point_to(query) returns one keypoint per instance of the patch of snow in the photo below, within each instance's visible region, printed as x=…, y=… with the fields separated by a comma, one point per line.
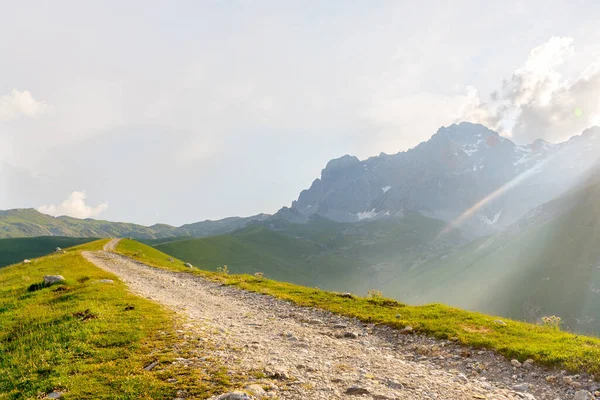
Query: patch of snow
x=470, y=149
x=525, y=152
x=386, y=188
x=491, y=221
x=367, y=214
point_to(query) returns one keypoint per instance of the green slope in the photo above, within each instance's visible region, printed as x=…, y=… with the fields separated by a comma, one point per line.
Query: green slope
x=547, y=264
x=336, y=256
x=16, y=250
x=549, y=267
x=89, y=339
x=31, y=223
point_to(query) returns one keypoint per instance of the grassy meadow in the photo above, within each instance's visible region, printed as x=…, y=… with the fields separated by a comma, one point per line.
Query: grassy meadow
x=89, y=340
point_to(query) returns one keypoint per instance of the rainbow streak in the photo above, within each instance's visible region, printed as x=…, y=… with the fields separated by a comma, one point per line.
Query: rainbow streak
x=491, y=197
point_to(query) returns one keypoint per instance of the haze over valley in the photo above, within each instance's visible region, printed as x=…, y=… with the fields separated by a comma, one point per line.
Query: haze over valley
x=467, y=218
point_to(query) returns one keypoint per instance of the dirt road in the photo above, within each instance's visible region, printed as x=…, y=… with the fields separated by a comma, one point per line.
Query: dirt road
x=313, y=354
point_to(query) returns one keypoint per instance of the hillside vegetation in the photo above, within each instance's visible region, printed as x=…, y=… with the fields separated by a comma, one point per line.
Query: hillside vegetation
x=513, y=339
x=31, y=223
x=88, y=339
x=549, y=266
x=548, y=263
x=323, y=253
x=16, y=250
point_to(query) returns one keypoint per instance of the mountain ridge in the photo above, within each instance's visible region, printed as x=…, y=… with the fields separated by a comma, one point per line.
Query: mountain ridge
x=28, y=222
x=440, y=178
x=443, y=177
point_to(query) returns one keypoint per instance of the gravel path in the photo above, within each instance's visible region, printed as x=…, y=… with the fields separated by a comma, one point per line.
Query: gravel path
x=312, y=354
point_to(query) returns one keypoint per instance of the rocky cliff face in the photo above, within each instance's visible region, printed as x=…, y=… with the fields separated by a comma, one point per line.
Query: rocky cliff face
x=456, y=169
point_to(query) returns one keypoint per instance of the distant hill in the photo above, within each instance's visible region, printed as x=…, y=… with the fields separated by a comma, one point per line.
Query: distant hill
x=13, y=251
x=31, y=223
x=546, y=264
x=323, y=253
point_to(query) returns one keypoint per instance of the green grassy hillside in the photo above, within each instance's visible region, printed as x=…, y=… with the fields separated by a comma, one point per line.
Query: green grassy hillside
x=547, y=264
x=16, y=250
x=91, y=340
x=550, y=267
x=513, y=339
x=31, y=223
x=321, y=253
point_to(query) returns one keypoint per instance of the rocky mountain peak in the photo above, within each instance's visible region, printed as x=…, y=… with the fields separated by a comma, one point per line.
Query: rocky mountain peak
x=455, y=169
x=342, y=162
x=466, y=131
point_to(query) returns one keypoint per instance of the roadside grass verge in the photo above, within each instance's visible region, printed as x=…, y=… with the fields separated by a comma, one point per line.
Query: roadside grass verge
x=512, y=339
x=91, y=340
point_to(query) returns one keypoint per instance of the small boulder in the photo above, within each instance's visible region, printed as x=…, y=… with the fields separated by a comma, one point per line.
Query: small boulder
x=394, y=384
x=499, y=322
x=278, y=373
x=407, y=330
x=290, y=336
x=55, y=395
x=515, y=363
x=58, y=250
x=256, y=390
x=346, y=295
x=350, y=335
x=521, y=387
x=26, y=261
x=356, y=391
x=235, y=396
x=528, y=364
x=583, y=395
x=105, y=281
x=52, y=279
x=151, y=366
x=188, y=265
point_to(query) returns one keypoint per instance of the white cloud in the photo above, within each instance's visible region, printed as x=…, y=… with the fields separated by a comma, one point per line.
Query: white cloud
x=537, y=102
x=74, y=206
x=20, y=104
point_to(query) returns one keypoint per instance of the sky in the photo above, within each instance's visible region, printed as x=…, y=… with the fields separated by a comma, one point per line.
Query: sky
x=176, y=112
